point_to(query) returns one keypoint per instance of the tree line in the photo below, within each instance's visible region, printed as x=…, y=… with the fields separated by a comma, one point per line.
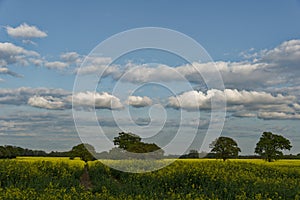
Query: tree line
x=130, y=146
x=9, y=151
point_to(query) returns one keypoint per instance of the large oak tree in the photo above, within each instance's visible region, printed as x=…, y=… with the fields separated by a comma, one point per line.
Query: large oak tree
x=225, y=148
x=270, y=146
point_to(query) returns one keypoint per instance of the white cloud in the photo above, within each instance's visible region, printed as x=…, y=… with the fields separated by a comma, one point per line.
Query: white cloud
x=58, y=98
x=97, y=100
x=36, y=61
x=47, y=102
x=29, y=42
x=191, y=100
x=11, y=54
x=296, y=106
x=285, y=55
x=137, y=101
x=56, y=65
x=71, y=57
x=270, y=68
x=4, y=70
x=20, y=96
x=244, y=114
x=242, y=103
x=278, y=115
x=25, y=31
x=235, y=74
x=98, y=65
x=243, y=97
x=146, y=73
x=194, y=100
x=98, y=69
x=283, y=61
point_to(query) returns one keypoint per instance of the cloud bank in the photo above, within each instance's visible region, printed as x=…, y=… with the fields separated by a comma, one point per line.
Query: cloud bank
x=241, y=103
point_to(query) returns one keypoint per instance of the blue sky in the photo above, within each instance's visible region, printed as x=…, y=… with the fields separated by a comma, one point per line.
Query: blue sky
x=255, y=45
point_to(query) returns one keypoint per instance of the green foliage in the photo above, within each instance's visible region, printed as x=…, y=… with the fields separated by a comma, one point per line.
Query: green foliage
x=270, y=146
x=125, y=140
x=141, y=147
x=9, y=151
x=84, y=151
x=225, y=148
x=192, y=154
x=132, y=143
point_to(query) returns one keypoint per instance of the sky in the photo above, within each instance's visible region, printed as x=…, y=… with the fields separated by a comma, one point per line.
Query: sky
x=46, y=45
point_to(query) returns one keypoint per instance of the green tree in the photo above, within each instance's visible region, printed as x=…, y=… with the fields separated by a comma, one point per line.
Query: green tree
x=125, y=140
x=84, y=151
x=225, y=148
x=132, y=143
x=193, y=154
x=141, y=147
x=270, y=146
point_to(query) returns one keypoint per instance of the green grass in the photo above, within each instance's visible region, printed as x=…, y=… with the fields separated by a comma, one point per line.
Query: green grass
x=59, y=178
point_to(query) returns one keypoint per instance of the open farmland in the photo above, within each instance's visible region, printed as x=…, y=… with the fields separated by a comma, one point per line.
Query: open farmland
x=60, y=178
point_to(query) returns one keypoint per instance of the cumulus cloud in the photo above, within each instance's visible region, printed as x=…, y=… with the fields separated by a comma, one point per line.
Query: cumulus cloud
x=25, y=31
x=269, y=68
x=244, y=114
x=20, y=96
x=147, y=73
x=71, y=57
x=278, y=115
x=56, y=65
x=283, y=62
x=241, y=103
x=191, y=100
x=98, y=100
x=235, y=74
x=245, y=98
x=12, y=54
x=37, y=61
x=98, y=65
x=59, y=99
x=47, y=102
x=286, y=55
x=200, y=100
x=137, y=101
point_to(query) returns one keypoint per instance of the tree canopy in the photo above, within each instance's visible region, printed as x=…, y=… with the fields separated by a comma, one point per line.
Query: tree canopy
x=126, y=140
x=225, y=148
x=9, y=151
x=132, y=143
x=270, y=146
x=84, y=151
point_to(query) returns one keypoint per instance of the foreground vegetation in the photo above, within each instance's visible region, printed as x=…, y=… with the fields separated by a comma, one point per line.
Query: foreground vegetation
x=59, y=178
